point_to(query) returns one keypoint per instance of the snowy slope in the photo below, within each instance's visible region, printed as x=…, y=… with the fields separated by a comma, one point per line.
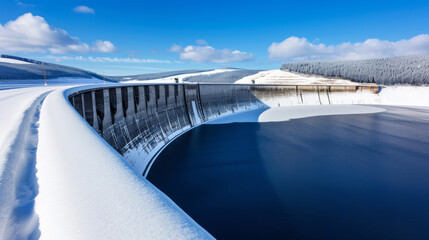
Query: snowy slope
x=284, y=77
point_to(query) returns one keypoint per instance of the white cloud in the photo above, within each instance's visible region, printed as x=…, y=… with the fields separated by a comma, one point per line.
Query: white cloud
x=84, y=9
x=210, y=54
x=30, y=33
x=201, y=42
x=105, y=59
x=103, y=46
x=294, y=48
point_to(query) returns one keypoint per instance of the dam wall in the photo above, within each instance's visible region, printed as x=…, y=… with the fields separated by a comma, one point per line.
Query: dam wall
x=139, y=120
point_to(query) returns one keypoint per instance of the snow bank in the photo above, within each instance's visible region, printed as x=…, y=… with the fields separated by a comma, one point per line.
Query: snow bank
x=88, y=191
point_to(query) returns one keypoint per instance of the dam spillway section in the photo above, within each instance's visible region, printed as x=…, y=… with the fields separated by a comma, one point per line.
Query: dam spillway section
x=139, y=120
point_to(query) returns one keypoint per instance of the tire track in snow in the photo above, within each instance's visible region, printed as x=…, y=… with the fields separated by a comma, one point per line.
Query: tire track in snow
x=18, y=185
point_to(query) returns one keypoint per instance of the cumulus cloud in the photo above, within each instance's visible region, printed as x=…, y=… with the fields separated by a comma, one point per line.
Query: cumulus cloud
x=84, y=9
x=210, y=54
x=103, y=46
x=105, y=59
x=294, y=48
x=30, y=33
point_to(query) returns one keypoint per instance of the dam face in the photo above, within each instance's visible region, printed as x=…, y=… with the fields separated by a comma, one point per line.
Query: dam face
x=139, y=120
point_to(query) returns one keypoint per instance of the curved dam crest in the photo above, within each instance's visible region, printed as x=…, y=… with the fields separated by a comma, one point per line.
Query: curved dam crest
x=138, y=121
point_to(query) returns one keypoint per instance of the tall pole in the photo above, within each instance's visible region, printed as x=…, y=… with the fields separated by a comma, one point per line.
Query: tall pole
x=104, y=77
x=44, y=73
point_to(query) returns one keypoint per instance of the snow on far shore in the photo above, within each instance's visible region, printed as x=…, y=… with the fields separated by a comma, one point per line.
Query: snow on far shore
x=405, y=95
x=10, y=60
x=283, y=77
x=278, y=114
x=171, y=79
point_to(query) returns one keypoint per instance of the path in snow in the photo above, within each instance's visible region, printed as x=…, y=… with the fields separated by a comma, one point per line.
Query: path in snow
x=18, y=182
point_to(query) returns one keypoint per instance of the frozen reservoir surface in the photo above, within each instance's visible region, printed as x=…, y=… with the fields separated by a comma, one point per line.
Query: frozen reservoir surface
x=350, y=176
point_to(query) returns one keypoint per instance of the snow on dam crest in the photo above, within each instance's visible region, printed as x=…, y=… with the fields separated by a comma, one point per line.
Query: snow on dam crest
x=88, y=191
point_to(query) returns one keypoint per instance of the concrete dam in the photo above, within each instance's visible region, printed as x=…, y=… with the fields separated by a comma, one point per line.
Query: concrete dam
x=138, y=120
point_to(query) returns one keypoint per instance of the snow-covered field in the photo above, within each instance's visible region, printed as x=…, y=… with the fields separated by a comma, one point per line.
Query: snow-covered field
x=84, y=189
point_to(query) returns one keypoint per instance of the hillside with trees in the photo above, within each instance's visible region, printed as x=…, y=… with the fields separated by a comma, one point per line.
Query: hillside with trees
x=412, y=70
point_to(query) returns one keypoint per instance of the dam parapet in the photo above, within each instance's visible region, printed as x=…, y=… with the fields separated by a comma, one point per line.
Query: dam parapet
x=139, y=120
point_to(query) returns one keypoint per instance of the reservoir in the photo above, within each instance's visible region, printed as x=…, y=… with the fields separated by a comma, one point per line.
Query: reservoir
x=362, y=176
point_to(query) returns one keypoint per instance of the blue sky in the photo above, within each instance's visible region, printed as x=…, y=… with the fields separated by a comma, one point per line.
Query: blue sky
x=153, y=36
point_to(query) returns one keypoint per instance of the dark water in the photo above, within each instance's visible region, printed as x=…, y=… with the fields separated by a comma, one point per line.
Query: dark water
x=332, y=177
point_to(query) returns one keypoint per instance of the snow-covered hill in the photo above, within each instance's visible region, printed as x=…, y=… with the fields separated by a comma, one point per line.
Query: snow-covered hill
x=283, y=77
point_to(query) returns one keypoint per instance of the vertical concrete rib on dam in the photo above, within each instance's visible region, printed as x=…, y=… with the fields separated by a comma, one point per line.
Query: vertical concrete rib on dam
x=139, y=120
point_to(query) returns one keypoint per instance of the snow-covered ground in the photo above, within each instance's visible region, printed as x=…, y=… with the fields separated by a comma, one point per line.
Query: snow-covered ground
x=284, y=77
x=18, y=143
x=180, y=77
